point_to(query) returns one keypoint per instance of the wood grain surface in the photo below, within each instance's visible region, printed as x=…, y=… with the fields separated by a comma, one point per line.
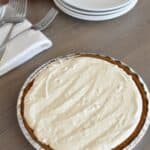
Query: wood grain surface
x=126, y=38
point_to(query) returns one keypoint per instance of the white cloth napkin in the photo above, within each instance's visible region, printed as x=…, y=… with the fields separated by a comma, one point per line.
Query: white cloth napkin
x=23, y=47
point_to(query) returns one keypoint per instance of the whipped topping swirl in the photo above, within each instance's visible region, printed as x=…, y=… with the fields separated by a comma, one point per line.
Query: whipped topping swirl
x=83, y=103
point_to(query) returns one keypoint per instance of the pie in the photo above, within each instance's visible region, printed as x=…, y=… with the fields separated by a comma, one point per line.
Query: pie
x=84, y=102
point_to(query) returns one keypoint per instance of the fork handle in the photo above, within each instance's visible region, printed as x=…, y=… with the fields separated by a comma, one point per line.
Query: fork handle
x=9, y=34
x=3, y=46
x=2, y=23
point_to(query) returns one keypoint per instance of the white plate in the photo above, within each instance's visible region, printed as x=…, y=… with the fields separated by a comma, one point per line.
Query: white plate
x=97, y=5
x=92, y=12
x=98, y=13
x=96, y=17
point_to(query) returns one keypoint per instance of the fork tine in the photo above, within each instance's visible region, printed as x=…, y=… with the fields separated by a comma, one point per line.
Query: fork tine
x=11, y=3
x=14, y=4
x=23, y=9
x=20, y=8
x=21, y=4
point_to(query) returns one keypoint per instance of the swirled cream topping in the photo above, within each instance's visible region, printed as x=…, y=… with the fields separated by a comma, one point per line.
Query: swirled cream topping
x=83, y=103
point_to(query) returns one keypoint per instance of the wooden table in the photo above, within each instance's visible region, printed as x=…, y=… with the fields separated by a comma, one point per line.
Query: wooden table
x=126, y=38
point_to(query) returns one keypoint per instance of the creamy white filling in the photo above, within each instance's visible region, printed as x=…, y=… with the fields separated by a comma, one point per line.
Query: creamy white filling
x=83, y=103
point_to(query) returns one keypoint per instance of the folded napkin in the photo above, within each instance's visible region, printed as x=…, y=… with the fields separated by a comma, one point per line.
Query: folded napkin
x=23, y=47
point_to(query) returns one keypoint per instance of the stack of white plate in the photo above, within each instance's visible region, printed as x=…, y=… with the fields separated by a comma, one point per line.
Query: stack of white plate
x=95, y=10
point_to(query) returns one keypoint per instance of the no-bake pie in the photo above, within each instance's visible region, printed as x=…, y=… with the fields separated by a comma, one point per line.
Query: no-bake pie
x=84, y=102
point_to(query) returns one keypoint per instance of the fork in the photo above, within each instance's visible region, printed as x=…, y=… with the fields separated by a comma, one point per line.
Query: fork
x=20, y=7
x=41, y=25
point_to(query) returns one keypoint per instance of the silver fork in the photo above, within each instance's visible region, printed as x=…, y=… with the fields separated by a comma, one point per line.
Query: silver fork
x=41, y=25
x=20, y=7
x=14, y=12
